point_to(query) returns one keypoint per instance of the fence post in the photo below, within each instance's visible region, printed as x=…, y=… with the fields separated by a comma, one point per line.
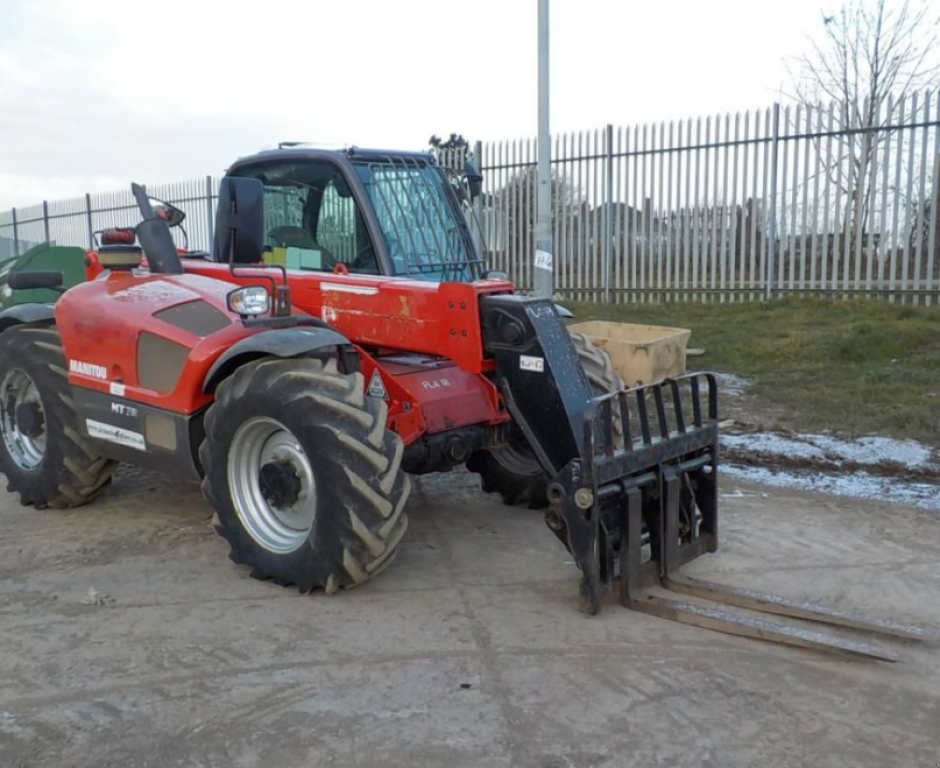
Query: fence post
x=210, y=215
x=16, y=235
x=608, y=219
x=476, y=231
x=772, y=224
x=91, y=227
x=45, y=219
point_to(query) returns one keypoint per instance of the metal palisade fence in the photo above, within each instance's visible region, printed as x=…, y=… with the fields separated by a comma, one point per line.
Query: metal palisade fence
x=77, y=220
x=831, y=200
x=807, y=200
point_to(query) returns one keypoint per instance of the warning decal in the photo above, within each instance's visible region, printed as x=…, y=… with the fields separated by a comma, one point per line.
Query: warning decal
x=376, y=387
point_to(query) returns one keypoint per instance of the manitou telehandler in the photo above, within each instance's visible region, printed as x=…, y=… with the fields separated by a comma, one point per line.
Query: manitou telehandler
x=343, y=334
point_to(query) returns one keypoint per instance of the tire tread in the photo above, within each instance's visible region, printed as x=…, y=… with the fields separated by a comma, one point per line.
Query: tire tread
x=364, y=520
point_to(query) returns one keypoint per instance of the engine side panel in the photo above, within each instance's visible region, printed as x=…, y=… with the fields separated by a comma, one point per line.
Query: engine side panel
x=102, y=323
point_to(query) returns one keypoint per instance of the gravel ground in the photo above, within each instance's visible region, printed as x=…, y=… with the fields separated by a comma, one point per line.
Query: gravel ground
x=129, y=639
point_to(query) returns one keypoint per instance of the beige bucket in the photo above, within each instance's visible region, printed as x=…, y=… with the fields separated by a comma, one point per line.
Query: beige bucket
x=641, y=354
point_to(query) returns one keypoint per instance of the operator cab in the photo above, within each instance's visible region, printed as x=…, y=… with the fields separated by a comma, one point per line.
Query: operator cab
x=362, y=212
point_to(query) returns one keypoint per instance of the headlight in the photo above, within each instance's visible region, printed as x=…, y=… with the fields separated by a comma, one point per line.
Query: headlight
x=252, y=300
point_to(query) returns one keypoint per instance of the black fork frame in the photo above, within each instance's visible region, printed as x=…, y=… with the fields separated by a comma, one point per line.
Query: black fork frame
x=603, y=498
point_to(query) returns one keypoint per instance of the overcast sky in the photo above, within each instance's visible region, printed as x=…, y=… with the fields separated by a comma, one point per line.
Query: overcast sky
x=96, y=93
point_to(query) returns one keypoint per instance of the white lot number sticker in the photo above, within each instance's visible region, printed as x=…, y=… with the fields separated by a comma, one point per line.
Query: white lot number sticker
x=536, y=364
x=543, y=260
x=115, y=434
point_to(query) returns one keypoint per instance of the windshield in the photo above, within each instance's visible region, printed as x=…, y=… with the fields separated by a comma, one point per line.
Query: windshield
x=425, y=232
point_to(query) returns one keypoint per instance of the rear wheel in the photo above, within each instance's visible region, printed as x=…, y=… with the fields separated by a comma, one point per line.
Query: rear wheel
x=304, y=477
x=512, y=470
x=44, y=456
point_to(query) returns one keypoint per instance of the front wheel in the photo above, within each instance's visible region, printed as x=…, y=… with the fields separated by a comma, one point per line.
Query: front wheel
x=304, y=477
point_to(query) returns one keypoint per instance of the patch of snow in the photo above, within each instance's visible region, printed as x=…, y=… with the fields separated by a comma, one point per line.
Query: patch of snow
x=771, y=444
x=875, y=450
x=859, y=485
x=867, y=451
x=731, y=384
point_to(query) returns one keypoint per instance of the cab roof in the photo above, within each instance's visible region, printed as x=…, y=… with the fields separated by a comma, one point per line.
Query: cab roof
x=352, y=154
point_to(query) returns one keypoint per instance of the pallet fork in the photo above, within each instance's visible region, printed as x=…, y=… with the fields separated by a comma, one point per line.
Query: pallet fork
x=634, y=491
x=663, y=477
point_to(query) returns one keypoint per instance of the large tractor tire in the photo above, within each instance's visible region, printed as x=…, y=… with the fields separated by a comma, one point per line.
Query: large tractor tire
x=304, y=477
x=42, y=453
x=512, y=470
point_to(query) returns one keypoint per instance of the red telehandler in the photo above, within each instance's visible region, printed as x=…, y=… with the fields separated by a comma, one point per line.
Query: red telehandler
x=342, y=335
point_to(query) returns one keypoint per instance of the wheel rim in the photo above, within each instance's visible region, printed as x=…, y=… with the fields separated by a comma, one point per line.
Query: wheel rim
x=23, y=420
x=272, y=485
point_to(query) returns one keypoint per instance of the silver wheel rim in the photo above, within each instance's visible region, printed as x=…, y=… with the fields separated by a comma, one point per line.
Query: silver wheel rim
x=261, y=446
x=17, y=391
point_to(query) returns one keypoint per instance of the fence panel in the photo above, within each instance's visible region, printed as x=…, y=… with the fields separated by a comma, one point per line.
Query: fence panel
x=825, y=199
x=77, y=221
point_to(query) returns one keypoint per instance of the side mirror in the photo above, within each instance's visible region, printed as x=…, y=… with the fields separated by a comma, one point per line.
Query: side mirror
x=239, y=221
x=154, y=236
x=155, y=208
x=474, y=179
x=172, y=215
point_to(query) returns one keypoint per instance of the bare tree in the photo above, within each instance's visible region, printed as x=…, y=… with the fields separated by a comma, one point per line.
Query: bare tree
x=869, y=55
x=868, y=50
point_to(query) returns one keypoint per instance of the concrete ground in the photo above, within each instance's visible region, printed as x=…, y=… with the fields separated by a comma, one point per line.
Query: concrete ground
x=469, y=651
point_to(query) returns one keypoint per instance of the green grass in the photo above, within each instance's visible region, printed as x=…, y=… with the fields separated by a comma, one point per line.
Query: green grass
x=859, y=367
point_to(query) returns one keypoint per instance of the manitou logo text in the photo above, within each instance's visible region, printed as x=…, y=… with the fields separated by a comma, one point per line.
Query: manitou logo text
x=88, y=369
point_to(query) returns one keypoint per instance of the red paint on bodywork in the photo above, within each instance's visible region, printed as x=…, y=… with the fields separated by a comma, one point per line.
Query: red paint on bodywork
x=391, y=312
x=383, y=315
x=101, y=321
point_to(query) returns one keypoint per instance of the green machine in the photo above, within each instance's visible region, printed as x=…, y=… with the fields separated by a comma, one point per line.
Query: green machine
x=67, y=259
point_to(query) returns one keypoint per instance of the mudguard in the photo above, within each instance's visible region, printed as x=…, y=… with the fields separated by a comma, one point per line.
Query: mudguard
x=288, y=342
x=26, y=313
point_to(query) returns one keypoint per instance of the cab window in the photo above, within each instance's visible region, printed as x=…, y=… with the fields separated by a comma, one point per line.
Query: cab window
x=311, y=220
